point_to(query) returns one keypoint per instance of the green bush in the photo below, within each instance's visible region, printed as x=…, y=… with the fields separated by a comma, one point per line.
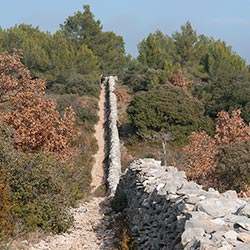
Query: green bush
x=77, y=84
x=84, y=107
x=40, y=188
x=169, y=110
x=232, y=171
x=41, y=192
x=6, y=224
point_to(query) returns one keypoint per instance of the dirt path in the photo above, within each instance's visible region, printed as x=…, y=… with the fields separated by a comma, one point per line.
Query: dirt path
x=97, y=171
x=93, y=224
x=91, y=230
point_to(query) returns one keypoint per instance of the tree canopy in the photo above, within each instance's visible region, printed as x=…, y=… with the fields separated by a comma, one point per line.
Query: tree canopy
x=220, y=77
x=72, y=57
x=168, y=109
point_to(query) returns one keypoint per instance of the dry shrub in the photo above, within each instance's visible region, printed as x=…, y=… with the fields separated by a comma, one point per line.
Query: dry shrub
x=179, y=80
x=37, y=123
x=126, y=157
x=122, y=94
x=212, y=160
x=231, y=128
x=201, y=155
x=123, y=98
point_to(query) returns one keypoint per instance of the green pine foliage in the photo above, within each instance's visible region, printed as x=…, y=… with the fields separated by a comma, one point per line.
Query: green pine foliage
x=155, y=50
x=73, y=58
x=220, y=76
x=82, y=28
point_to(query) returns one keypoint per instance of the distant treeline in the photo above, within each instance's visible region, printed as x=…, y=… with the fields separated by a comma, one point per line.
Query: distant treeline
x=72, y=58
x=220, y=78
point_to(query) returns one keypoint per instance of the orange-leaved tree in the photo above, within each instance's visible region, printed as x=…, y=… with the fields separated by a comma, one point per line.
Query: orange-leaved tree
x=179, y=80
x=201, y=154
x=34, y=118
x=203, y=149
x=231, y=128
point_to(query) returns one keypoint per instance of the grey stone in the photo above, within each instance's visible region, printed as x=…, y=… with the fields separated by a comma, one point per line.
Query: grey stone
x=167, y=212
x=199, y=215
x=232, y=235
x=225, y=246
x=242, y=247
x=205, y=246
x=192, y=199
x=191, y=234
x=114, y=170
x=244, y=211
x=230, y=194
x=207, y=225
x=212, y=206
x=239, y=221
x=192, y=245
x=160, y=186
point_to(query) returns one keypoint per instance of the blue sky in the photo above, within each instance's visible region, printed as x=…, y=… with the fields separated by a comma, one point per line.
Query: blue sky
x=228, y=20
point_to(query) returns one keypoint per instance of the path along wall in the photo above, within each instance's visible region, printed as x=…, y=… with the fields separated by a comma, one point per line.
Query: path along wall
x=165, y=211
x=114, y=154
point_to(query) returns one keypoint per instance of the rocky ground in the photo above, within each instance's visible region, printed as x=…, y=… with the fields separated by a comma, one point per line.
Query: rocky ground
x=92, y=229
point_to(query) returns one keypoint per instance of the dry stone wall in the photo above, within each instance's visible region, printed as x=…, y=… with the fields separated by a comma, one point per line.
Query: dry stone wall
x=165, y=211
x=114, y=169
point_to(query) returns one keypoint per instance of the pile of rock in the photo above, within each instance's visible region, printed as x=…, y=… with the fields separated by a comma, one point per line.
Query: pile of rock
x=114, y=170
x=165, y=211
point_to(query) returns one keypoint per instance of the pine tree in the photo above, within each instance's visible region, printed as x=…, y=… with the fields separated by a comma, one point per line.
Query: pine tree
x=82, y=28
x=155, y=50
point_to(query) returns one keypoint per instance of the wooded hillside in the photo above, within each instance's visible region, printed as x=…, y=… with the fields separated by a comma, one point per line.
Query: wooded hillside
x=190, y=107
x=184, y=100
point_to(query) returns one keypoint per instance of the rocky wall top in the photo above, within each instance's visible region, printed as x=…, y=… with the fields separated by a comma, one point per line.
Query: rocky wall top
x=114, y=168
x=166, y=211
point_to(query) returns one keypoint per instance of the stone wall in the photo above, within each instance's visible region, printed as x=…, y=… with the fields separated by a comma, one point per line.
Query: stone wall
x=165, y=211
x=114, y=154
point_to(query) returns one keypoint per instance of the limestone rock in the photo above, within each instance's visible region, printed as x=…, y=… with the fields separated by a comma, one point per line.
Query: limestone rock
x=165, y=211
